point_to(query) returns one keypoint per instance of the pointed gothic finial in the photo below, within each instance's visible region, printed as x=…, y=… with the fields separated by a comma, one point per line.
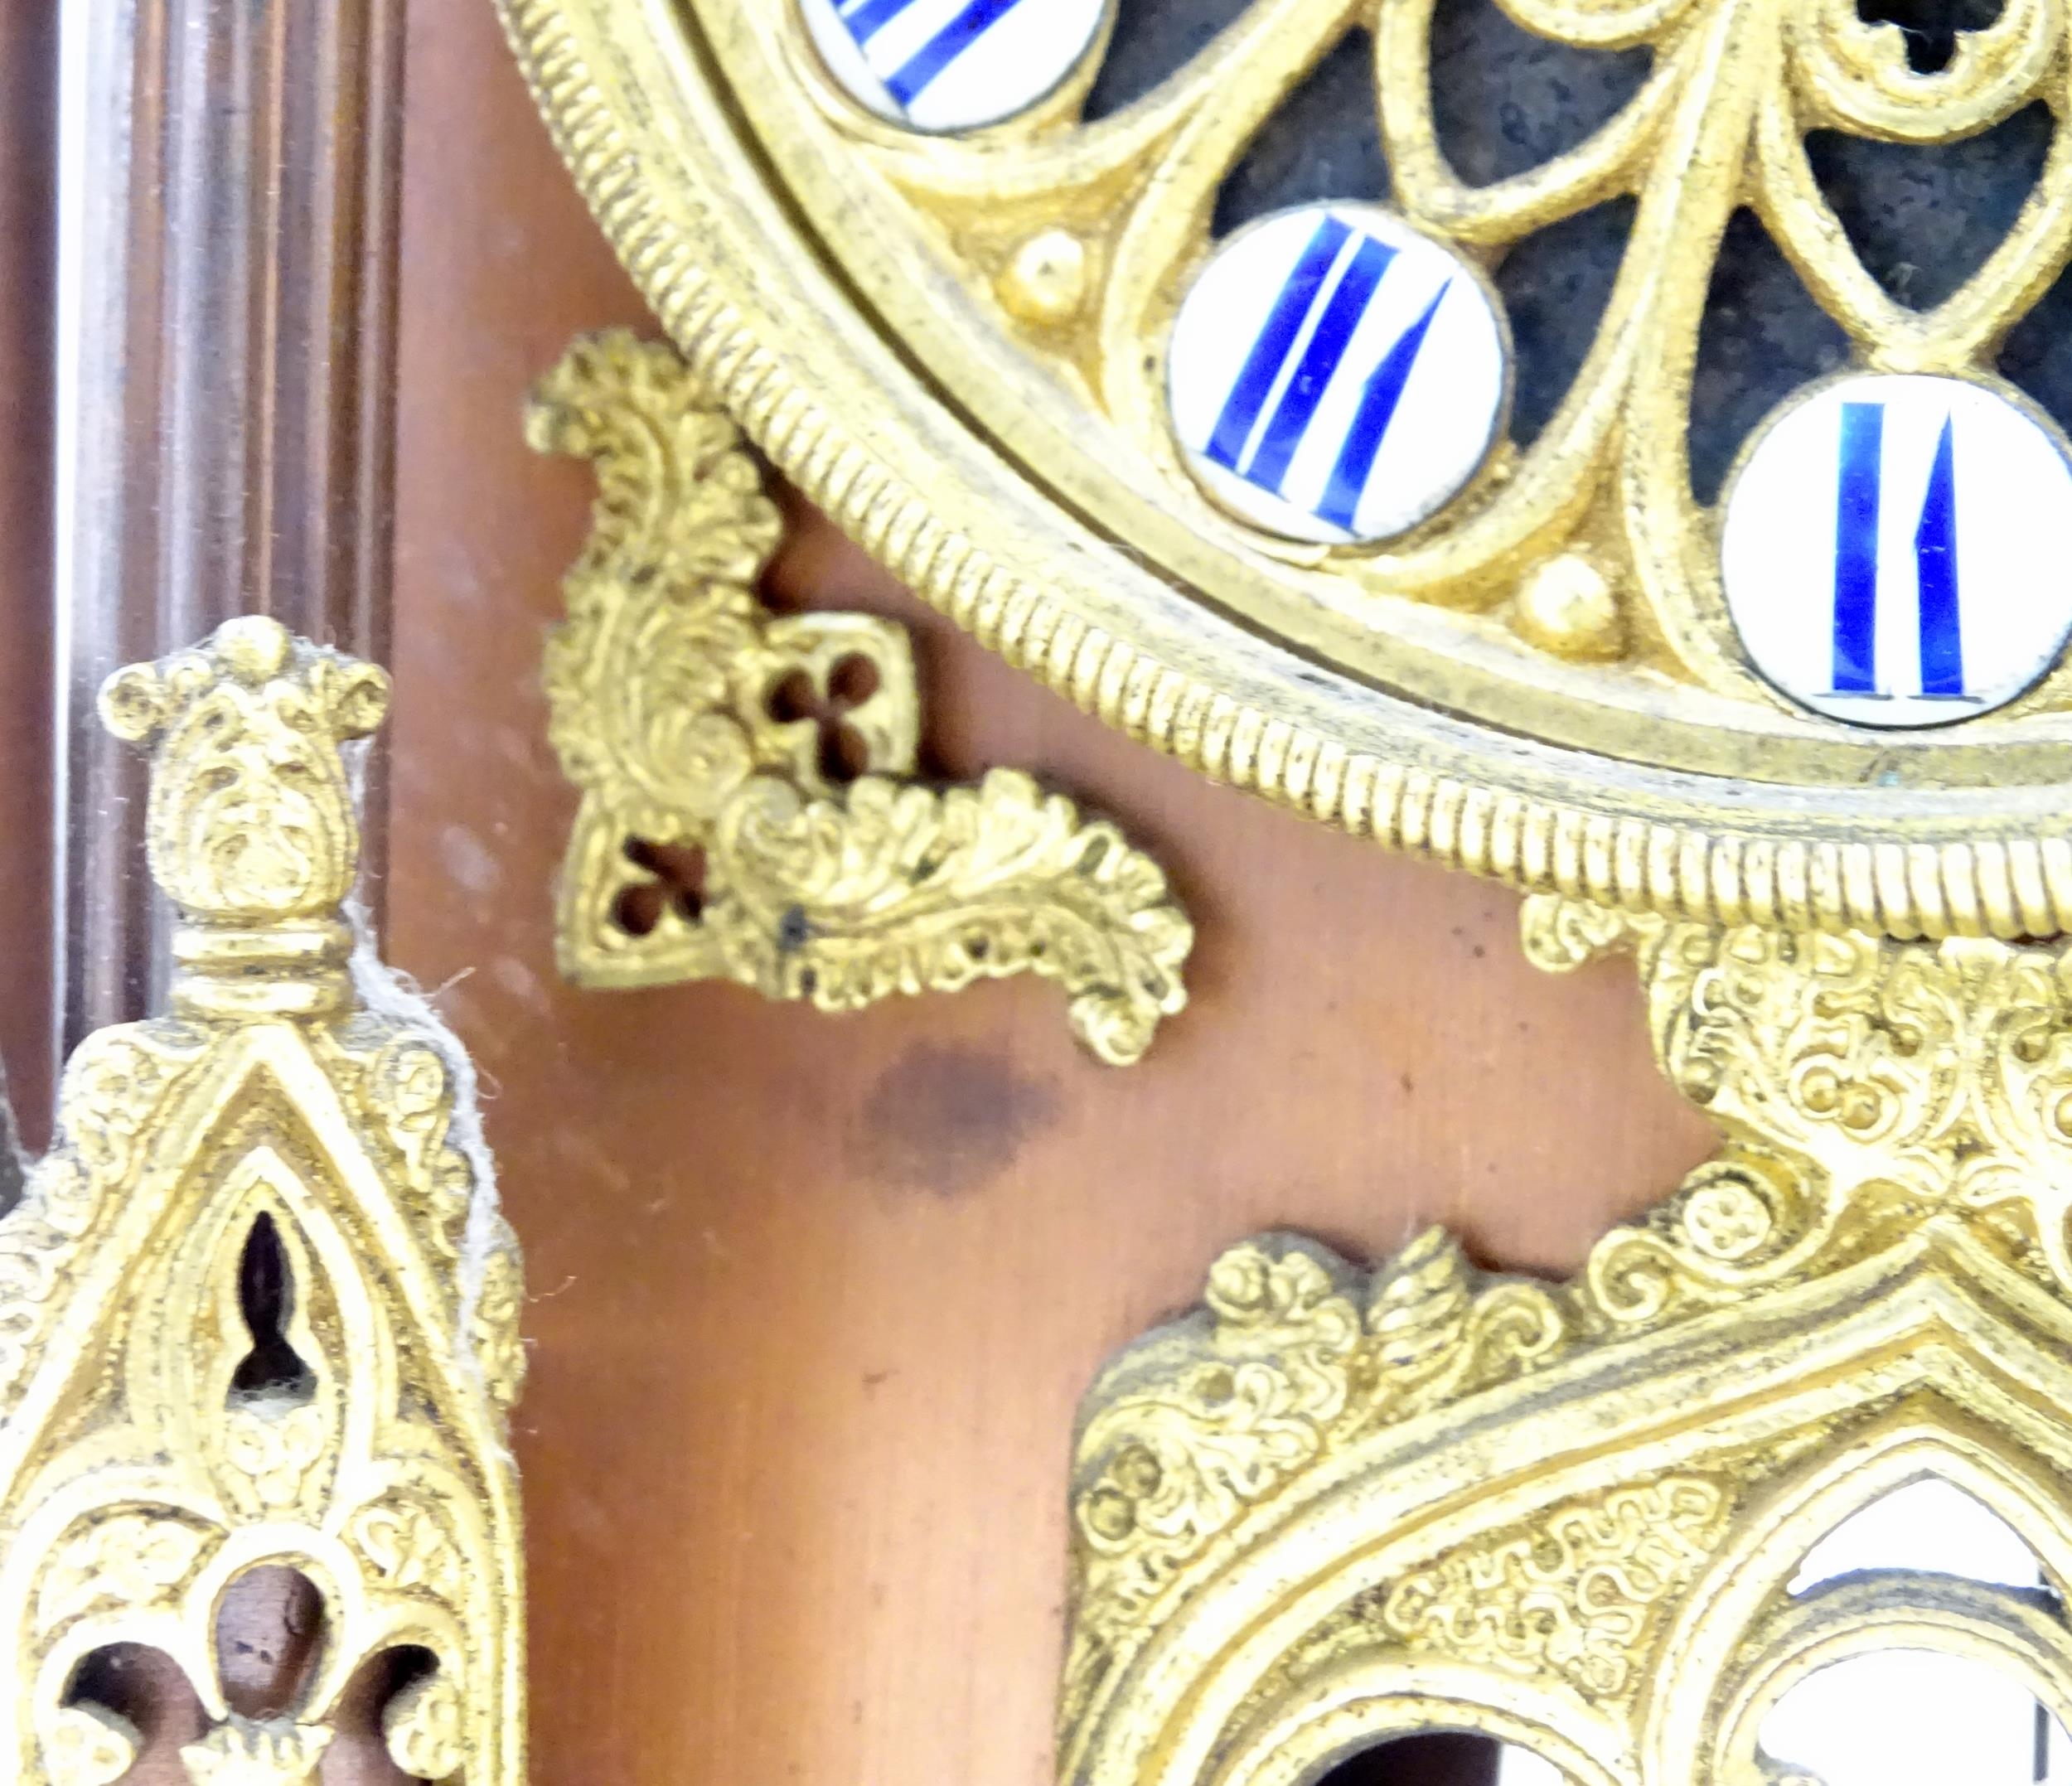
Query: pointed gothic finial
x=251, y=829
x=162, y=1434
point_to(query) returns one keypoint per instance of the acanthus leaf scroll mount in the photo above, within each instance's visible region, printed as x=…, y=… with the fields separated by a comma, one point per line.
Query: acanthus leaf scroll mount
x=716, y=840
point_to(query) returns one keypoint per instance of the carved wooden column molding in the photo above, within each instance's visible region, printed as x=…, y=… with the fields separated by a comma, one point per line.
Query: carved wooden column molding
x=230, y=186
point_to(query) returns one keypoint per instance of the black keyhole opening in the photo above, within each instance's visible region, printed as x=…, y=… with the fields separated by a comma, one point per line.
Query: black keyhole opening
x=266, y=1296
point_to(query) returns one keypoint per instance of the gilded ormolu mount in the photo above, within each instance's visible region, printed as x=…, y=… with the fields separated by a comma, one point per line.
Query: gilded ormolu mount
x=1335, y=1506
x=168, y=1424
x=669, y=686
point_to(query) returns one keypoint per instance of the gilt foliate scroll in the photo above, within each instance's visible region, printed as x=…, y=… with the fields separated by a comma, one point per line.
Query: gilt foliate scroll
x=1334, y=1508
x=257, y=1310
x=749, y=811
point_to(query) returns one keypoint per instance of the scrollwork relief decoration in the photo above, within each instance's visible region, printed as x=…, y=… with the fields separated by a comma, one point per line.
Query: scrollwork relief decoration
x=685, y=713
x=1851, y=1080
x=165, y=1429
x=1574, y=1593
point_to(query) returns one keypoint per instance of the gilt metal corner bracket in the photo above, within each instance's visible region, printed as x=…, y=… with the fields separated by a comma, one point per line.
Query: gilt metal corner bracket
x=257, y=1308
x=716, y=839
x=1332, y=1507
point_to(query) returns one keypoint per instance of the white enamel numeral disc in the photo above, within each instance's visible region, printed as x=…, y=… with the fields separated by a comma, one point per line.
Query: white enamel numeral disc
x=952, y=64
x=1896, y=551
x=1336, y=376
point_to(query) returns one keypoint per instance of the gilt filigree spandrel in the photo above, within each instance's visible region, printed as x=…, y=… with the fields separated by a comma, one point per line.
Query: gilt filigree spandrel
x=1175, y=1462
x=722, y=834
x=162, y=1434
x=1209, y=1421
x=1853, y=1080
x=1576, y=1592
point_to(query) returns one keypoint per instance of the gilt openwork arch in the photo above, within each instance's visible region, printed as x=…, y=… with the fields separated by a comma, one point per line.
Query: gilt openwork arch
x=1335, y=1507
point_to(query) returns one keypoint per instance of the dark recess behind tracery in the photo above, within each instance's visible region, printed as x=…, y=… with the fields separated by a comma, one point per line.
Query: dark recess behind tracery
x=1923, y=219
x=1762, y=337
x=2037, y=356
x=1556, y=284
x=1434, y=1758
x=1324, y=143
x=1930, y=26
x=1504, y=101
x=1152, y=40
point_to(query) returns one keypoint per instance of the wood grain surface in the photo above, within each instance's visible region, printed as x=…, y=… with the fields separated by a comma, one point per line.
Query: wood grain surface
x=813, y=1299
x=28, y=257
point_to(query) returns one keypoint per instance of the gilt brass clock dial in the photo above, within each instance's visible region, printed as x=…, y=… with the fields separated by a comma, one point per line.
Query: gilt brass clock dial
x=1282, y=477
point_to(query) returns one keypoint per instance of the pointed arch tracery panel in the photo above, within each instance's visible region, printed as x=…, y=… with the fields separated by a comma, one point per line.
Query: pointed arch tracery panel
x=258, y=1310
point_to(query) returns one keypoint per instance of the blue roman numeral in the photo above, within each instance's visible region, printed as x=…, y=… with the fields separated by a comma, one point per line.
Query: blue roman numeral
x=1370, y=422
x=865, y=18
x=1344, y=304
x=1935, y=567
x=1856, y=620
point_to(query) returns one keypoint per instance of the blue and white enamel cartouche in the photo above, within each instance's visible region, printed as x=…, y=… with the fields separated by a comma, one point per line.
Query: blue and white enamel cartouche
x=952, y=64
x=1336, y=376
x=1893, y=549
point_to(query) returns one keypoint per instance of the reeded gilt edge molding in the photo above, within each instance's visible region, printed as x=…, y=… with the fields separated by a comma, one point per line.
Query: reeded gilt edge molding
x=165, y=1428
x=1332, y=1505
x=1695, y=868
x=667, y=685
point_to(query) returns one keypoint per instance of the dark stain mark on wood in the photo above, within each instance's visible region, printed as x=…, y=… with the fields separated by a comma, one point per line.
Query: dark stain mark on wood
x=947, y=1120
